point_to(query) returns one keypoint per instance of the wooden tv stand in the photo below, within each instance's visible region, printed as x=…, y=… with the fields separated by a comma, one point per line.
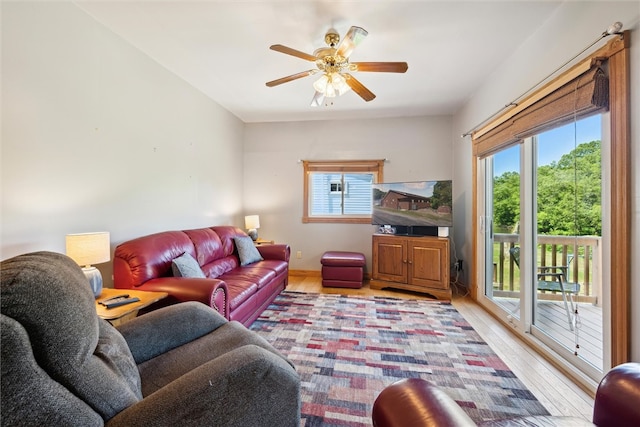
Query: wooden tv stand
x=414, y=263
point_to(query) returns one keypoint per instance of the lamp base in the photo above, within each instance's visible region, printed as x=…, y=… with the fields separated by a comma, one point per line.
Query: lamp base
x=95, y=279
x=253, y=233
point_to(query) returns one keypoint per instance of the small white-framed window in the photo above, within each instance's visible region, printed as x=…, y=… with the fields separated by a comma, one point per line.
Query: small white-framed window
x=340, y=191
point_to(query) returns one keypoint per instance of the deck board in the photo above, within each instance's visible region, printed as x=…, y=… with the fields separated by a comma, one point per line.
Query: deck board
x=552, y=317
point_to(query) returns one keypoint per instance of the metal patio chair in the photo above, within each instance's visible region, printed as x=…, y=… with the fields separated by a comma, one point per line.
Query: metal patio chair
x=553, y=278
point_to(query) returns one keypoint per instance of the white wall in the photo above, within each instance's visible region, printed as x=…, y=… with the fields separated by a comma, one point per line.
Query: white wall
x=96, y=136
x=417, y=148
x=573, y=27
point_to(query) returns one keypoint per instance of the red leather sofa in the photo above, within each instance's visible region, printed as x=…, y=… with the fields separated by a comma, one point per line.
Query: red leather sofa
x=237, y=292
x=417, y=402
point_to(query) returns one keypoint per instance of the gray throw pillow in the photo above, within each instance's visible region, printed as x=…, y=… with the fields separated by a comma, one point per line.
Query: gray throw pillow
x=186, y=266
x=247, y=250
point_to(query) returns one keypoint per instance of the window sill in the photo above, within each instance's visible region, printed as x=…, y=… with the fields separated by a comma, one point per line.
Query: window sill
x=336, y=220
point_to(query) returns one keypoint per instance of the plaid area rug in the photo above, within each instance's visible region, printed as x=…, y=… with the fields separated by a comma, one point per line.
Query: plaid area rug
x=347, y=349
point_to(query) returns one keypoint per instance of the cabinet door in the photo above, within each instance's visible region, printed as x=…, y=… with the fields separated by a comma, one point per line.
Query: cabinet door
x=390, y=259
x=429, y=263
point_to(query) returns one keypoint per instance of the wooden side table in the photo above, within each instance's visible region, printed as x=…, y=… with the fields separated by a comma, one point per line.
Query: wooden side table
x=124, y=313
x=260, y=242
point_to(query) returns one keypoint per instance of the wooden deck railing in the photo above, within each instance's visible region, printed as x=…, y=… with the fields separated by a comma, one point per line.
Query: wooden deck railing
x=582, y=256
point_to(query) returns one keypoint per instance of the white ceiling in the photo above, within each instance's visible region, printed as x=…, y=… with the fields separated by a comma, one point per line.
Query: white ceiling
x=222, y=49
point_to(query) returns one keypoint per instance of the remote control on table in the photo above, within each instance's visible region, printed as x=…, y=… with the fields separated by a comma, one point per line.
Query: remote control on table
x=117, y=302
x=112, y=299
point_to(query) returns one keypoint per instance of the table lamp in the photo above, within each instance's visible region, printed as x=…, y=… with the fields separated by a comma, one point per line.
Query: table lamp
x=90, y=248
x=252, y=223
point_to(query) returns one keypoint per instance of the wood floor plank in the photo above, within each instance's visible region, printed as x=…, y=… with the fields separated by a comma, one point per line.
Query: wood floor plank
x=548, y=384
x=553, y=389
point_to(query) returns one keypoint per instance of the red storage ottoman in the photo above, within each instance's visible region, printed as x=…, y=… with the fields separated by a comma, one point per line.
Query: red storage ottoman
x=342, y=269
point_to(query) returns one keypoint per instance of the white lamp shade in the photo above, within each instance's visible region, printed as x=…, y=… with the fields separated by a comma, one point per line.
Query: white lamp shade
x=89, y=248
x=339, y=83
x=320, y=85
x=331, y=85
x=252, y=222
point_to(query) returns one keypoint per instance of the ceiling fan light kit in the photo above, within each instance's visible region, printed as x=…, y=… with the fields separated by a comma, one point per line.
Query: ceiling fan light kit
x=333, y=62
x=331, y=85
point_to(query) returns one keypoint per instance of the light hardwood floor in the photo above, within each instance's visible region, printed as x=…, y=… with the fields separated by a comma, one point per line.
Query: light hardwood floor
x=550, y=386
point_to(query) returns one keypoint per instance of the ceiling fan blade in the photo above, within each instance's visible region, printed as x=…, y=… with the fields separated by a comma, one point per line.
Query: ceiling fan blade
x=381, y=67
x=359, y=88
x=289, y=51
x=277, y=82
x=352, y=39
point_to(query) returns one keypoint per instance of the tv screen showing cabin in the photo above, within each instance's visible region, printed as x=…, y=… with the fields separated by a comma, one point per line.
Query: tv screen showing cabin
x=415, y=203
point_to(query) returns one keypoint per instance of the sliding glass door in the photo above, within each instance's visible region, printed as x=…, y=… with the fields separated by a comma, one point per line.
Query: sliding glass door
x=567, y=257
x=568, y=220
x=501, y=225
x=542, y=228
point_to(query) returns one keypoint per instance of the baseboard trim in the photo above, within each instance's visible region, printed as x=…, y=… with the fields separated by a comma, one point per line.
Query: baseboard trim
x=310, y=273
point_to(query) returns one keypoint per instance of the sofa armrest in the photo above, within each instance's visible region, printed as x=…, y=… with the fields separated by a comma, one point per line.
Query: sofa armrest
x=417, y=402
x=248, y=386
x=212, y=292
x=279, y=252
x=164, y=329
x=617, y=398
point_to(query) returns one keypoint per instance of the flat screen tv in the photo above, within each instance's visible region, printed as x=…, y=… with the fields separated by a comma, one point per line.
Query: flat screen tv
x=416, y=204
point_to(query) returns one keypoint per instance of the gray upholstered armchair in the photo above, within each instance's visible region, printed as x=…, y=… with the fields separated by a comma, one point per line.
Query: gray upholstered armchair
x=181, y=365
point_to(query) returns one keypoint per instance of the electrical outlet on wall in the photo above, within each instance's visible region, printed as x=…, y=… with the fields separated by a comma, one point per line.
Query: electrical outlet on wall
x=299, y=255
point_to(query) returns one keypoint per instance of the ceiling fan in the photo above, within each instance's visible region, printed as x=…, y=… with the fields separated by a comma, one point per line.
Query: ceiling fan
x=333, y=63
